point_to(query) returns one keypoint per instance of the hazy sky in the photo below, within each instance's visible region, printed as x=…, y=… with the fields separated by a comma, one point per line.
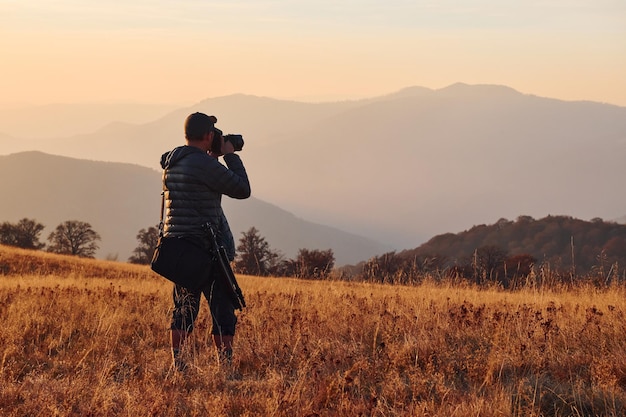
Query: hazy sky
x=184, y=51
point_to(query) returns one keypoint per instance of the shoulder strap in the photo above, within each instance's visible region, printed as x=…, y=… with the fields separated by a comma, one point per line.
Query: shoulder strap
x=161, y=223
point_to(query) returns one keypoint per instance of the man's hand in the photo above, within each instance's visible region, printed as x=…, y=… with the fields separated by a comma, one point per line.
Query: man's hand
x=226, y=147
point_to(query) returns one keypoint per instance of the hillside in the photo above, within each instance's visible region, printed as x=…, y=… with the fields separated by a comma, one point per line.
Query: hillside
x=91, y=339
x=595, y=245
x=120, y=199
x=16, y=262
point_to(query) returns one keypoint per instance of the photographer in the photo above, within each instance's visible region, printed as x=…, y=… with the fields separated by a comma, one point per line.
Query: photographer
x=193, y=182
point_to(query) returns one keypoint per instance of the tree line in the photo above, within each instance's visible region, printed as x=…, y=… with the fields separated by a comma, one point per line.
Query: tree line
x=504, y=253
x=510, y=251
x=254, y=255
x=488, y=264
x=71, y=237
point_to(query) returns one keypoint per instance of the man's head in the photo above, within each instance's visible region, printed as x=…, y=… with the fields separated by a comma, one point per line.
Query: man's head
x=197, y=125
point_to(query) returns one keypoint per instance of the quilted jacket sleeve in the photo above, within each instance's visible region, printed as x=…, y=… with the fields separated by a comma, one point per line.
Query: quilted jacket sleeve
x=235, y=180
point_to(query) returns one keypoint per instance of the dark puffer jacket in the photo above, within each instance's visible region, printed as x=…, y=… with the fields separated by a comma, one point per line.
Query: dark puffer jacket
x=193, y=183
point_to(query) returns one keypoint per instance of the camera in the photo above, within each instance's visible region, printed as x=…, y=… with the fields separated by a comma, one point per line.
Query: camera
x=236, y=140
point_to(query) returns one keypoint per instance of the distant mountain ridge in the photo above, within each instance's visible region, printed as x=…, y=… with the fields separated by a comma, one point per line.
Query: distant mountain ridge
x=66, y=120
x=403, y=167
x=120, y=199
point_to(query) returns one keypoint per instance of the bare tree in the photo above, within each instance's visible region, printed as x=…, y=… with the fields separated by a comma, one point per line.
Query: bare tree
x=74, y=237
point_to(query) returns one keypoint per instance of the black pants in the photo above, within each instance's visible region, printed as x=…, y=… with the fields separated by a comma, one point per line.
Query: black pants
x=187, y=306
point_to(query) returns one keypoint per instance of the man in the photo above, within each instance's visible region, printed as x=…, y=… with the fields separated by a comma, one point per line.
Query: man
x=193, y=182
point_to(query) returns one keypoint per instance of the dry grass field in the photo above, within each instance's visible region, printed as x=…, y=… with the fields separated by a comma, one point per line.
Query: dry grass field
x=89, y=338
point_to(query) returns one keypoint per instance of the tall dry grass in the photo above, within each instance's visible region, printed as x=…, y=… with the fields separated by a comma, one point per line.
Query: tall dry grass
x=91, y=339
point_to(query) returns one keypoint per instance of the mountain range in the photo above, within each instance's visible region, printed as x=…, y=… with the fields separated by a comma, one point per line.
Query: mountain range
x=400, y=168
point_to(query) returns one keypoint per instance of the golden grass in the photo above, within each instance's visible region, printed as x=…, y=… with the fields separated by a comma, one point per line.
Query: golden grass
x=89, y=337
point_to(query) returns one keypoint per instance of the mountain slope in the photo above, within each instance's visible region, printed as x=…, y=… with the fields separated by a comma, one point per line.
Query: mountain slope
x=120, y=199
x=406, y=166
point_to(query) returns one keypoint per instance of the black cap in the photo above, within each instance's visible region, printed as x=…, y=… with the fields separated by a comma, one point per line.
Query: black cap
x=197, y=125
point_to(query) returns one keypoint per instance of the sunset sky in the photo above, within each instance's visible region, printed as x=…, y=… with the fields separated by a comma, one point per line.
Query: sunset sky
x=180, y=52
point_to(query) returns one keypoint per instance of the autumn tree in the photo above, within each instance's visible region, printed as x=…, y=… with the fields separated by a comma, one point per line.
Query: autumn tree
x=23, y=234
x=74, y=237
x=147, y=239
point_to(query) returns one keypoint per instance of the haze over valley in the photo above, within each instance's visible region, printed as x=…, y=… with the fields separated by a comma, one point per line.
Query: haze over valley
x=394, y=170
